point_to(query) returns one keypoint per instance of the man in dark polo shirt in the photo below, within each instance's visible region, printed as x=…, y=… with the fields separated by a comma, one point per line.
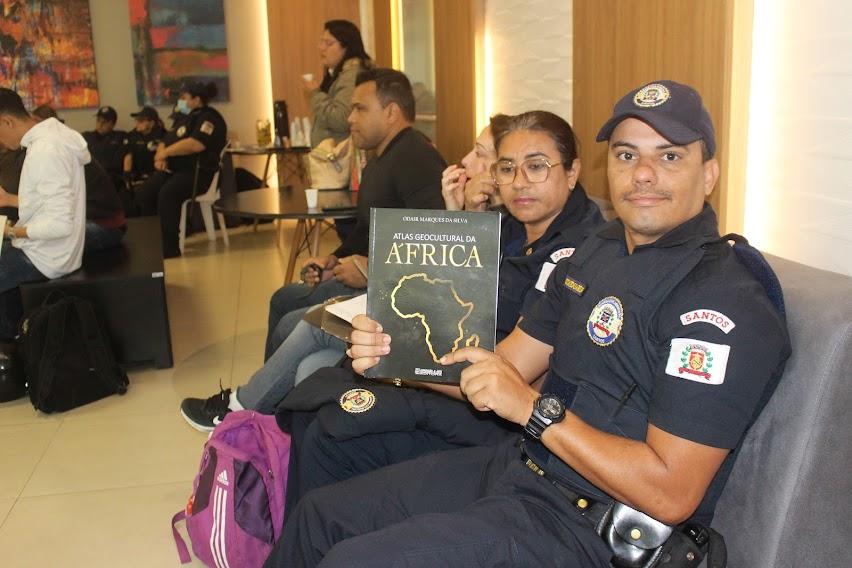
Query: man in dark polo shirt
x=661, y=346
x=406, y=173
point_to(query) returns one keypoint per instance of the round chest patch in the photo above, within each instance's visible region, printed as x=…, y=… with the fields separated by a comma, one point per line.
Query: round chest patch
x=356, y=401
x=181, y=131
x=651, y=95
x=152, y=146
x=605, y=321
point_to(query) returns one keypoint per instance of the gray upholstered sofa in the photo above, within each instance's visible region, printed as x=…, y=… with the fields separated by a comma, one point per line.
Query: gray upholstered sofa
x=788, y=502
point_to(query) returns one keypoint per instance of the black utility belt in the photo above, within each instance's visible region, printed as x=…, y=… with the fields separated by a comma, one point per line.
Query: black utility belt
x=588, y=507
x=639, y=541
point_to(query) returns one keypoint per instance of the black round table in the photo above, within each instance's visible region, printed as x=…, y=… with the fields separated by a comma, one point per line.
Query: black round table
x=289, y=203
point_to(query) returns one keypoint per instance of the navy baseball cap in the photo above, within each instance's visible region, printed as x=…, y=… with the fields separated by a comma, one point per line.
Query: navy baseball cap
x=107, y=113
x=146, y=112
x=672, y=109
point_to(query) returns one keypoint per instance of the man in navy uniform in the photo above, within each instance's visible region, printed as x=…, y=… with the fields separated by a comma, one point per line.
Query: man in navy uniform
x=143, y=141
x=660, y=345
x=108, y=145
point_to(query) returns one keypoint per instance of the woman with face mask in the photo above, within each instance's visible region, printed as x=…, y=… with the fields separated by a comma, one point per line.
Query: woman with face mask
x=343, y=56
x=187, y=159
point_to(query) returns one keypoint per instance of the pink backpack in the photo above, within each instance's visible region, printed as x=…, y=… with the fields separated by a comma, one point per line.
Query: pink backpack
x=236, y=510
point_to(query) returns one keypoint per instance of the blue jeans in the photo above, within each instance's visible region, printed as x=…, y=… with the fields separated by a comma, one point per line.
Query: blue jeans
x=277, y=377
x=15, y=269
x=292, y=297
x=100, y=238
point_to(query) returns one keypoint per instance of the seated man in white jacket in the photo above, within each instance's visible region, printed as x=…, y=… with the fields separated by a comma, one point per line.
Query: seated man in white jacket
x=47, y=240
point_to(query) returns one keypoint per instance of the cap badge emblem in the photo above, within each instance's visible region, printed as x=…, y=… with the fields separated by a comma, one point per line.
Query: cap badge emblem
x=356, y=401
x=605, y=321
x=651, y=95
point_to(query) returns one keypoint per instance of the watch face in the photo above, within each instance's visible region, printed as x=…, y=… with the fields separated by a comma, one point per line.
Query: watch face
x=550, y=407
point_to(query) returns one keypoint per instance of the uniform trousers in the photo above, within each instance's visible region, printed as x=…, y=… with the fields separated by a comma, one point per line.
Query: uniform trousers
x=471, y=507
x=163, y=194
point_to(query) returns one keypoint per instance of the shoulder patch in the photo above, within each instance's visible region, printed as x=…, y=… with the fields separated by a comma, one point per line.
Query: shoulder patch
x=712, y=317
x=207, y=127
x=699, y=361
x=546, y=269
x=562, y=253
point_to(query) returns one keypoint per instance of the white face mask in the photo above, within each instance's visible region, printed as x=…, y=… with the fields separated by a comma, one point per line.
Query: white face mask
x=183, y=106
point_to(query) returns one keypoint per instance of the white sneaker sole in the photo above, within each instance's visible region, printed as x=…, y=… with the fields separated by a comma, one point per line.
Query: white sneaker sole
x=198, y=427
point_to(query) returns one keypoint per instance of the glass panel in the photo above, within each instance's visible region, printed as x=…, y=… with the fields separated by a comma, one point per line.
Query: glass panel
x=417, y=53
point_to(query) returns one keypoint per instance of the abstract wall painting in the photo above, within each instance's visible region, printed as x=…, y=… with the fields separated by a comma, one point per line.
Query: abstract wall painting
x=175, y=41
x=46, y=52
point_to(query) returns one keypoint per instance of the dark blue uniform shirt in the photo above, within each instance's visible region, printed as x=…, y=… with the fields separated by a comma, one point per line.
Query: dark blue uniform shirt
x=678, y=334
x=108, y=149
x=142, y=148
x=206, y=125
x=524, y=268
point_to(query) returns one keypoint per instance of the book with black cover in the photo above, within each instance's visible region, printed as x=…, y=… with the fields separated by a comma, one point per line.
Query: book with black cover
x=433, y=287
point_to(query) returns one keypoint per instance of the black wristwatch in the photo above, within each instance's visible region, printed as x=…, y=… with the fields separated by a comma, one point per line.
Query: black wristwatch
x=548, y=409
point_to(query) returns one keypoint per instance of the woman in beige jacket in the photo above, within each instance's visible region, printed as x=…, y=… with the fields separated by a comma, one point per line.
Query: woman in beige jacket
x=343, y=56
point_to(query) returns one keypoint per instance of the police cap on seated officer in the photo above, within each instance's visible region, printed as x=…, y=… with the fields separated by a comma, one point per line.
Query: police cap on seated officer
x=645, y=401
x=534, y=171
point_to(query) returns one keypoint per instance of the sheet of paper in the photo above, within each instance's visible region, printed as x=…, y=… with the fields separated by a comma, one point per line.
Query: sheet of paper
x=3, y=227
x=348, y=309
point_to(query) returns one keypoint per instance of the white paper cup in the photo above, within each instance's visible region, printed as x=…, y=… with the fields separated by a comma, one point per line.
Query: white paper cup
x=312, y=196
x=308, y=76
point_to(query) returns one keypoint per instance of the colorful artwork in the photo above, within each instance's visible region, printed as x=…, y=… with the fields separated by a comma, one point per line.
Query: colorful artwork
x=46, y=52
x=175, y=41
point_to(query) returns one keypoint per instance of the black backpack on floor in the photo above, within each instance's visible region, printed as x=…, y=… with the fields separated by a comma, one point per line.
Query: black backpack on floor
x=67, y=360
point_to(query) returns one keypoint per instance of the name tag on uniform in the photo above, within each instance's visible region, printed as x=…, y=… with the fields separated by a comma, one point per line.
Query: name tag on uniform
x=546, y=269
x=207, y=127
x=699, y=361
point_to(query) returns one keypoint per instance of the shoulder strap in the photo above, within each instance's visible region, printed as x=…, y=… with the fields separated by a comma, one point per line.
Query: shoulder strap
x=103, y=363
x=752, y=259
x=53, y=341
x=183, y=551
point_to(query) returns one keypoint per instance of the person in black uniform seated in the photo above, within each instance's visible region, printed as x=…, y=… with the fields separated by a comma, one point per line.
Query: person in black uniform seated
x=660, y=346
x=406, y=173
x=186, y=160
x=143, y=140
x=547, y=215
x=107, y=145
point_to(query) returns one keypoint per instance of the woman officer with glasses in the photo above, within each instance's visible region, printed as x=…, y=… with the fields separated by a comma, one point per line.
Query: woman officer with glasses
x=534, y=173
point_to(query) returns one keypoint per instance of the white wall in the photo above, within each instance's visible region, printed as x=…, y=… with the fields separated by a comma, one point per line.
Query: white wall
x=248, y=53
x=799, y=172
x=528, y=56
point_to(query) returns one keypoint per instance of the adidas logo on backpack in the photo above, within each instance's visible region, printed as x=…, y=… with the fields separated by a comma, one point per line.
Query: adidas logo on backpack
x=223, y=478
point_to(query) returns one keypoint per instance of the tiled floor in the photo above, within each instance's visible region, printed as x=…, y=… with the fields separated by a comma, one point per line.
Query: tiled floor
x=97, y=486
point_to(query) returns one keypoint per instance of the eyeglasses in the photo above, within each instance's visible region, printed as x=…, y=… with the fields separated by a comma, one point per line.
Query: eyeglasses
x=536, y=170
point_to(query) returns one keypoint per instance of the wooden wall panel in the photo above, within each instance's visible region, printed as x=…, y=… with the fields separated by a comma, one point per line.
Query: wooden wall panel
x=620, y=44
x=455, y=76
x=382, y=33
x=295, y=27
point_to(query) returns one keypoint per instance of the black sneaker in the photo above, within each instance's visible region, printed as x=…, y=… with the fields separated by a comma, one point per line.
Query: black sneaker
x=204, y=415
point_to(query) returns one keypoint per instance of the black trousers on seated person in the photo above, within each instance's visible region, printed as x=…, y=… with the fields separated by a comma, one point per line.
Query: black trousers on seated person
x=471, y=507
x=163, y=194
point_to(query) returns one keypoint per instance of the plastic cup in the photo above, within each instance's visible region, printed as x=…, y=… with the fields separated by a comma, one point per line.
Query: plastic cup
x=312, y=197
x=308, y=76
